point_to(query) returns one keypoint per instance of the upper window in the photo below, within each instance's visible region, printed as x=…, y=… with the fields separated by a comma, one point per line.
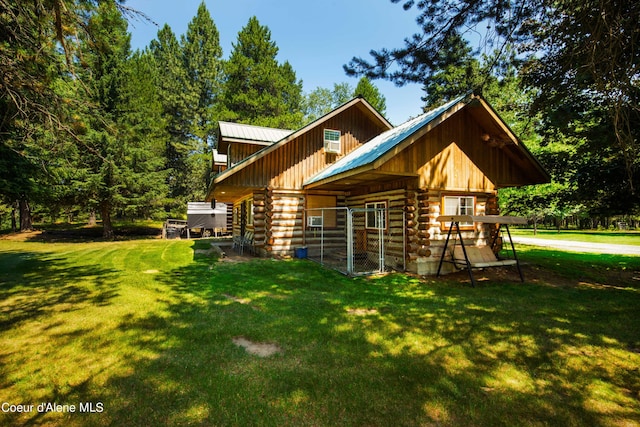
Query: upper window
x=376, y=215
x=459, y=205
x=332, y=141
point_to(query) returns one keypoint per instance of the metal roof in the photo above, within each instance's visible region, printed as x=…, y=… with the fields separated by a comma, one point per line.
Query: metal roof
x=244, y=132
x=194, y=208
x=381, y=144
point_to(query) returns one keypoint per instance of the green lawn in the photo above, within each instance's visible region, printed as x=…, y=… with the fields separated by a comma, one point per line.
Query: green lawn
x=611, y=237
x=144, y=329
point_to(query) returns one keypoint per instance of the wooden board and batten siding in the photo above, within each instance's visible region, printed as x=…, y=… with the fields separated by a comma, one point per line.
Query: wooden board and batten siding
x=452, y=157
x=287, y=166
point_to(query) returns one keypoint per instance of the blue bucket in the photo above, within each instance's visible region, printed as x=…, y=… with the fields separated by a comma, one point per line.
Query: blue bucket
x=301, y=252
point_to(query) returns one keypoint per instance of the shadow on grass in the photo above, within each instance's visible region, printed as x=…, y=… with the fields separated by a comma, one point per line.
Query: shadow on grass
x=32, y=284
x=393, y=350
x=81, y=233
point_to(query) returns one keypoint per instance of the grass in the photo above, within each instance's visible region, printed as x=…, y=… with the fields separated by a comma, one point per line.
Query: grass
x=145, y=328
x=592, y=236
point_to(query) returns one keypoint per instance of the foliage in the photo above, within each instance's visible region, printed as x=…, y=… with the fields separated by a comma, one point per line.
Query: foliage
x=188, y=79
x=371, y=93
x=579, y=58
x=28, y=66
x=122, y=171
x=257, y=89
x=321, y=100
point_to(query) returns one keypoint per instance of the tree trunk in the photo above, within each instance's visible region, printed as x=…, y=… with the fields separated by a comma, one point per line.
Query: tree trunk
x=107, y=228
x=14, y=225
x=25, y=214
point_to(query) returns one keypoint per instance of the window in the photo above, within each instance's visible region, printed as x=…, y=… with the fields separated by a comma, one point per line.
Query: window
x=376, y=215
x=459, y=205
x=250, y=212
x=332, y=141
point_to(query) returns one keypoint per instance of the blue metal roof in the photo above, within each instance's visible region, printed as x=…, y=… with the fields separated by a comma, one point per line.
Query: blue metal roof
x=371, y=151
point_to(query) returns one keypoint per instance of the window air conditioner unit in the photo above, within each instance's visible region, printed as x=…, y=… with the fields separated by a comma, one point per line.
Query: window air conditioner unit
x=332, y=141
x=314, y=221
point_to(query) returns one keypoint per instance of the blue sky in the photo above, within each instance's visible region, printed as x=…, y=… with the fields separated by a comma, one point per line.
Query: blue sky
x=316, y=37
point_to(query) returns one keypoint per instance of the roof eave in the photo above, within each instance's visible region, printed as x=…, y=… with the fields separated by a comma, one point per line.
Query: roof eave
x=338, y=177
x=266, y=150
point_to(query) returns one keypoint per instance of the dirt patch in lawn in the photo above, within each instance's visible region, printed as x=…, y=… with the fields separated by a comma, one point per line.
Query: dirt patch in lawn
x=362, y=311
x=260, y=349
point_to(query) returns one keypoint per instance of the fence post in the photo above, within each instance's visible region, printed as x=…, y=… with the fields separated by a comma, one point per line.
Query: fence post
x=381, y=230
x=349, y=241
x=322, y=239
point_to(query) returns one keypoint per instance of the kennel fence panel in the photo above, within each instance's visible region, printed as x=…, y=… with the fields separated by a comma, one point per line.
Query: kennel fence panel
x=356, y=241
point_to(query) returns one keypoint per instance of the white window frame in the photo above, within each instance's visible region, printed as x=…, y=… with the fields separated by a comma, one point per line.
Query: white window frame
x=459, y=205
x=331, y=144
x=314, y=221
x=372, y=208
x=249, y=211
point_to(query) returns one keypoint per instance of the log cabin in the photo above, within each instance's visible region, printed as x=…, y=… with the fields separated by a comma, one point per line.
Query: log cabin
x=450, y=160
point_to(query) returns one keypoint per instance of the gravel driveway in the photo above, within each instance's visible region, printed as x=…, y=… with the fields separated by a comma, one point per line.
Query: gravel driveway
x=573, y=246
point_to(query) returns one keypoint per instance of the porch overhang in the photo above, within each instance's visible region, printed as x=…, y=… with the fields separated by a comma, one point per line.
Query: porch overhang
x=366, y=175
x=229, y=193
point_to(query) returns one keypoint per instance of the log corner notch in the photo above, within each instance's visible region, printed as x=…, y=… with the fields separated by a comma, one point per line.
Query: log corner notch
x=259, y=219
x=417, y=225
x=410, y=229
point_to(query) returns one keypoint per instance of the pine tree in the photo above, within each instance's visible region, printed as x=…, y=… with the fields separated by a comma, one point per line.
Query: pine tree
x=122, y=166
x=371, y=93
x=171, y=83
x=202, y=57
x=189, y=74
x=257, y=89
x=141, y=125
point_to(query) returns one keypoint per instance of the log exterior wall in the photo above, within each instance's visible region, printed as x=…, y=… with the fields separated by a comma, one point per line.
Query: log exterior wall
x=394, y=241
x=284, y=221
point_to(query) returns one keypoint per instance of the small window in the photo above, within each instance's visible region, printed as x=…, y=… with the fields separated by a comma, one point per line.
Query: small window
x=376, y=215
x=459, y=205
x=250, y=212
x=332, y=141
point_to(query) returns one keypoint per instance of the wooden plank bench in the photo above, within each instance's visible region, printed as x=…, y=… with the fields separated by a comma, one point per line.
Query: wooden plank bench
x=478, y=256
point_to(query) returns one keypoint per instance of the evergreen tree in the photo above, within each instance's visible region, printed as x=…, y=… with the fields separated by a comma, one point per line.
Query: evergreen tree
x=202, y=55
x=371, y=93
x=171, y=83
x=189, y=74
x=122, y=167
x=141, y=125
x=257, y=89
x=28, y=66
